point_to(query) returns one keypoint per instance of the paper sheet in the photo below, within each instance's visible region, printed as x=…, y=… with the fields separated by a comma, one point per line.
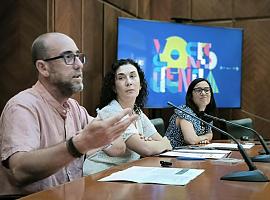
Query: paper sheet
x=230, y=146
x=197, y=153
x=157, y=175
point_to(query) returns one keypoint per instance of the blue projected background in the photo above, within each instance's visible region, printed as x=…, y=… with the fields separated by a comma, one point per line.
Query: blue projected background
x=172, y=55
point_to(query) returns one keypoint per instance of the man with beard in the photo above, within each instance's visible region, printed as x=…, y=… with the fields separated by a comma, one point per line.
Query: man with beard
x=44, y=134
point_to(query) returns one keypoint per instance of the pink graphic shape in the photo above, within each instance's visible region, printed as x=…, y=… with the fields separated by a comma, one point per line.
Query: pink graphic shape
x=157, y=45
x=206, y=49
x=168, y=74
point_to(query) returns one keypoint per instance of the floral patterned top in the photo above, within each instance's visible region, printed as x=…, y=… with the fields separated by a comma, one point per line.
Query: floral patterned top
x=174, y=133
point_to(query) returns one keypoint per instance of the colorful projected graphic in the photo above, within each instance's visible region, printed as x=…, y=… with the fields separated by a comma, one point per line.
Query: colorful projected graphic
x=172, y=55
x=179, y=63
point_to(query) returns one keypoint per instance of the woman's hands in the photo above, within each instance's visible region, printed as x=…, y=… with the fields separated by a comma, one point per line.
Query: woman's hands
x=205, y=141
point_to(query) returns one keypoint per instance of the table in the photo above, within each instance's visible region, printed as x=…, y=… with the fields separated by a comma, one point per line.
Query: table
x=206, y=186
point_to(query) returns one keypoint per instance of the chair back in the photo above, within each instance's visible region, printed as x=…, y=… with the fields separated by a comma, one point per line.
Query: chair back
x=238, y=132
x=159, y=125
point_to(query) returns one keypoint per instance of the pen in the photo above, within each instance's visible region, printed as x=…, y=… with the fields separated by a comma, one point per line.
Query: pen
x=165, y=164
x=189, y=158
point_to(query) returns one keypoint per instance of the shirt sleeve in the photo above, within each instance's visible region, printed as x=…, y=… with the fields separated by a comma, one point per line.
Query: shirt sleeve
x=20, y=130
x=196, y=123
x=183, y=115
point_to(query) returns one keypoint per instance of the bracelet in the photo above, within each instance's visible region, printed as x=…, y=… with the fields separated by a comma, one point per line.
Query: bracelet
x=72, y=149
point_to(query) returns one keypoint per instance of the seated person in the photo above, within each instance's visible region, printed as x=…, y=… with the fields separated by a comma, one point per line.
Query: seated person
x=125, y=87
x=44, y=133
x=184, y=129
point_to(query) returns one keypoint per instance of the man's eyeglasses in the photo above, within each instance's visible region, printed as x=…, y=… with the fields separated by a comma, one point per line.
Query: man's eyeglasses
x=199, y=90
x=69, y=58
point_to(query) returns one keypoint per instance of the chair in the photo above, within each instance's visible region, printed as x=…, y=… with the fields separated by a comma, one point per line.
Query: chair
x=238, y=132
x=159, y=125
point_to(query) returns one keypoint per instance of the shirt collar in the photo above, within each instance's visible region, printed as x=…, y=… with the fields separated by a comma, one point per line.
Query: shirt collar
x=61, y=109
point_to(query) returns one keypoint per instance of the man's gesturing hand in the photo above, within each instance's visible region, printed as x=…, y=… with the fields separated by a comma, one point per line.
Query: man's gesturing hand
x=99, y=133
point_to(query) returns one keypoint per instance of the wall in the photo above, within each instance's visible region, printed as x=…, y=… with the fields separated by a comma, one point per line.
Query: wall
x=93, y=25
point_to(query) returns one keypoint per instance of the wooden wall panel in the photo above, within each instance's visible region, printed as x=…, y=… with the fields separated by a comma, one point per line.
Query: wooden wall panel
x=127, y=6
x=165, y=10
x=261, y=68
x=110, y=35
x=9, y=52
x=93, y=48
x=256, y=72
x=18, y=30
x=248, y=67
x=211, y=9
x=28, y=30
x=144, y=7
x=223, y=23
x=251, y=8
x=69, y=21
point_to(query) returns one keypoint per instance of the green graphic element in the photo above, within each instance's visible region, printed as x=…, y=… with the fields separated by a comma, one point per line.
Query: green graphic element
x=175, y=47
x=212, y=81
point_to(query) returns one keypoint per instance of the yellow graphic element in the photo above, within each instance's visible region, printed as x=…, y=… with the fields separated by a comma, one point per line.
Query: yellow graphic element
x=175, y=44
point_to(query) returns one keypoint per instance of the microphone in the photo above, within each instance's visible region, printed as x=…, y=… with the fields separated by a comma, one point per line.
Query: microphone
x=258, y=158
x=253, y=175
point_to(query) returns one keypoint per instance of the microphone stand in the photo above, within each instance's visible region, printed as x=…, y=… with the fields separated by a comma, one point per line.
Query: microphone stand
x=253, y=175
x=258, y=158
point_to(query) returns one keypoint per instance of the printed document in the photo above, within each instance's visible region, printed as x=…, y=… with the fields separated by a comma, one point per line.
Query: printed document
x=157, y=175
x=230, y=146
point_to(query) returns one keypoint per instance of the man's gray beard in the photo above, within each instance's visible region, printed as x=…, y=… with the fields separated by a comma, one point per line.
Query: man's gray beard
x=68, y=89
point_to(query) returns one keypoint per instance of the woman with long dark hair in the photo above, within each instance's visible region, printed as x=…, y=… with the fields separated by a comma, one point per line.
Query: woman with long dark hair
x=183, y=128
x=125, y=87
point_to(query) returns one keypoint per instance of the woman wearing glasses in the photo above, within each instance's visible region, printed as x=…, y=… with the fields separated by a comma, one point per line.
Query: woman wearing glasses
x=184, y=129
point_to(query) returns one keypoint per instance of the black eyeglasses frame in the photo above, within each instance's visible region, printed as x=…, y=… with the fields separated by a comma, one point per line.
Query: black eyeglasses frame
x=79, y=55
